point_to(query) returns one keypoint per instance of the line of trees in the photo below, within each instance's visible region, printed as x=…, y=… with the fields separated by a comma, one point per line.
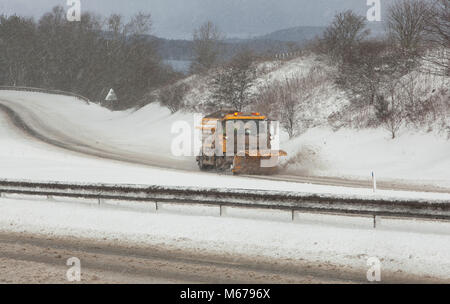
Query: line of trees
x=292, y=100
x=376, y=73
x=233, y=80
x=208, y=47
x=87, y=57
x=380, y=76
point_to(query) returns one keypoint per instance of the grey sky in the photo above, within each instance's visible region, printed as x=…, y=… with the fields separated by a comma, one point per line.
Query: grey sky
x=178, y=18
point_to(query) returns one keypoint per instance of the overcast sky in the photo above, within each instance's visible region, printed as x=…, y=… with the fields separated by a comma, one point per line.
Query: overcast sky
x=178, y=18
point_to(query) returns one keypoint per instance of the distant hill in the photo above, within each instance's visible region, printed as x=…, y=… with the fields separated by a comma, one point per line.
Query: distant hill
x=175, y=49
x=275, y=42
x=299, y=34
x=302, y=34
x=184, y=49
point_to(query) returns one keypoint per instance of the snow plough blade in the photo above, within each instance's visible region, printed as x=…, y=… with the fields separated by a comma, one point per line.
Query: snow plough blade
x=249, y=164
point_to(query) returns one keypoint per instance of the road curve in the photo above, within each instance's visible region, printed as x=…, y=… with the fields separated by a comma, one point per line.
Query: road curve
x=25, y=119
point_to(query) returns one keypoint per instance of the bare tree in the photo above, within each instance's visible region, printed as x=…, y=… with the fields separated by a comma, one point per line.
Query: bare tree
x=223, y=87
x=243, y=72
x=438, y=35
x=344, y=34
x=365, y=75
x=278, y=100
x=172, y=96
x=406, y=24
x=390, y=106
x=140, y=24
x=232, y=84
x=290, y=101
x=115, y=25
x=207, y=45
x=289, y=105
x=362, y=75
x=420, y=107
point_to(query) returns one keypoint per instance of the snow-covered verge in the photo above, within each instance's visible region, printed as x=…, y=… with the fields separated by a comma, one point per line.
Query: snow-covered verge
x=268, y=72
x=420, y=153
x=416, y=157
x=349, y=245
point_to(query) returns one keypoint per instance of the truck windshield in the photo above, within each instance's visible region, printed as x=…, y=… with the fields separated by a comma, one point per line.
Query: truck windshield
x=250, y=126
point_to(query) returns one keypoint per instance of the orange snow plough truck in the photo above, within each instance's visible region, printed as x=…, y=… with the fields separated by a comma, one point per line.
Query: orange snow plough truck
x=251, y=135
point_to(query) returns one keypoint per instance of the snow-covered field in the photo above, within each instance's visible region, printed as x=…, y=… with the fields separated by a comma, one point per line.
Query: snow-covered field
x=414, y=248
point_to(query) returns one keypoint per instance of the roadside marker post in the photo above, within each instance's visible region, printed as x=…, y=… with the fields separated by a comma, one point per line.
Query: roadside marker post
x=374, y=182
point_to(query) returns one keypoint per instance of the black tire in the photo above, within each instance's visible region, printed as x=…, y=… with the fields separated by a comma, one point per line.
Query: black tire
x=201, y=165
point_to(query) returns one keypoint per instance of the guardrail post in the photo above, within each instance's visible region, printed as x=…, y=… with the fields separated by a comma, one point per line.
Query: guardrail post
x=407, y=209
x=374, y=182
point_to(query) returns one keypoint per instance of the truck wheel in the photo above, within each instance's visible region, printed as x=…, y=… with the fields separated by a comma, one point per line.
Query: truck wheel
x=201, y=165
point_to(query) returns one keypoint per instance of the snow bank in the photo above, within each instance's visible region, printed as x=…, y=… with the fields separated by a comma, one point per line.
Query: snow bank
x=414, y=156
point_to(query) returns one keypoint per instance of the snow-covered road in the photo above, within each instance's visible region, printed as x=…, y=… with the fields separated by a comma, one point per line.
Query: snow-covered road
x=56, y=138
x=314, y=247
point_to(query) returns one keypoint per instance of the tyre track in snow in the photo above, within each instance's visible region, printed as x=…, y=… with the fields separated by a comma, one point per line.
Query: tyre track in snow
x=331, y=181
x=31, y=258
x=103, y=261
x=34, y=126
